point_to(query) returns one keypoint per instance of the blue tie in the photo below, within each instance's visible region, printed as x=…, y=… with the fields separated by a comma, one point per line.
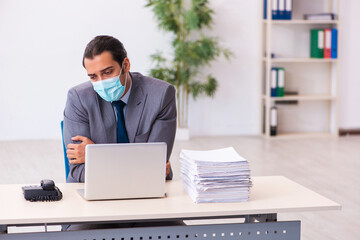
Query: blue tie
x=122, y=136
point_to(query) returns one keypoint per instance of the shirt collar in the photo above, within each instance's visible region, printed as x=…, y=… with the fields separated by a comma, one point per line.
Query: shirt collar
x=125, y=98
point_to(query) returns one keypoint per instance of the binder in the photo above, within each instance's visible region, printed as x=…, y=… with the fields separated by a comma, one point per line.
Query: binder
x=273, y=121
x=327, y=43
x=319, y=16
x=280, y=82
x=281, y=9
x=317, y=43
x=273, y=81
x=275, y=9
x=334, y=43
x=288, y=9
x=265, y=8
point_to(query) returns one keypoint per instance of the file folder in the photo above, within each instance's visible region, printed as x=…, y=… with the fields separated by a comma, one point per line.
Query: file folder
x=265, y=8
x=281, y=12
x=327, y=44
x=320, y=16
x=317, y=43
x=275, y=9
x=288, y=9
x=273, y=81
x=334, y=43
x=273, y=121
x=280, y=82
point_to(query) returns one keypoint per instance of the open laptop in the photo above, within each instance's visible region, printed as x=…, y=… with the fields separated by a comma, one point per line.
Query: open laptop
x=126, y=170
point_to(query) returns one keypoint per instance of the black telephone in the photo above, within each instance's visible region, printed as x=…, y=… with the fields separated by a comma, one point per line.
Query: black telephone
x=47, y=191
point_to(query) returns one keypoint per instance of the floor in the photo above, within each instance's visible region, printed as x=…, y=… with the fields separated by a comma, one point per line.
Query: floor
x=328, y=166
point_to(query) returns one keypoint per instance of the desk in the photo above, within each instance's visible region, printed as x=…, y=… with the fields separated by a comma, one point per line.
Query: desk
x=269, y=196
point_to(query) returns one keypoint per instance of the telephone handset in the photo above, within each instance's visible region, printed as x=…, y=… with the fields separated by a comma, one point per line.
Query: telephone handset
x=47, y=191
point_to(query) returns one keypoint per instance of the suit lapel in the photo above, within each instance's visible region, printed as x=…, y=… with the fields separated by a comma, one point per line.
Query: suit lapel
x=135, y=107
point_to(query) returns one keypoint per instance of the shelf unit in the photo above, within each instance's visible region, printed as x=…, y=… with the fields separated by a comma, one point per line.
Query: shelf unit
x=301, y=60
x=300, y=21
x=329, y=98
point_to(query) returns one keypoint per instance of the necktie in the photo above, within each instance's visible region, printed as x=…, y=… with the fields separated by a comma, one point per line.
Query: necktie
x=122, y=136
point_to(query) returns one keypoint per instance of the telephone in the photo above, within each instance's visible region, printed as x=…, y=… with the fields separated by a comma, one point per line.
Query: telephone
x=47, y=191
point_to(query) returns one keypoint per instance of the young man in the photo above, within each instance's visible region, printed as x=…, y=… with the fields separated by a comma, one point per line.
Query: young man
x=116, y=106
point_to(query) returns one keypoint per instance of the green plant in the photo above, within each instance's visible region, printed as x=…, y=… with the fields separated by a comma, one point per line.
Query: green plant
x=191, y=49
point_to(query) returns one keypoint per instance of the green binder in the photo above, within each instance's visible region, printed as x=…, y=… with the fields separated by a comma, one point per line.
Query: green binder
x=317, y=43
x=280, y=85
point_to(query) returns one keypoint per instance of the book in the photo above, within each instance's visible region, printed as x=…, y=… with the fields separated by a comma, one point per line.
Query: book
x=319, y=16
x=317, y=43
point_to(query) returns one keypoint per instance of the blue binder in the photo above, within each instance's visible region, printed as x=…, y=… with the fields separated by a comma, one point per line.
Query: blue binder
x=281, y=7
x=273, y=81
x=288, y=9
x=275, y=9
x=265, y=8
x=334, y=40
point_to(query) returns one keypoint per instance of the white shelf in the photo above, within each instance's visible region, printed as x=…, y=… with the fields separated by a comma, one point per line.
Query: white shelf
x=301, y=60
x=301, y=21
x=302, y=98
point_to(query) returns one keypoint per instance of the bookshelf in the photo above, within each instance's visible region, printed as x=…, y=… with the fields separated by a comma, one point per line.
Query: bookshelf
x=314, y=109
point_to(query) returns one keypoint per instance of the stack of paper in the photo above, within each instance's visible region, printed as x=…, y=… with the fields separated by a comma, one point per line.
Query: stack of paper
x=219, y=175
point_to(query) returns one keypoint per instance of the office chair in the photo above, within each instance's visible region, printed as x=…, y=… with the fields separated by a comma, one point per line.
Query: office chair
x=67, y=167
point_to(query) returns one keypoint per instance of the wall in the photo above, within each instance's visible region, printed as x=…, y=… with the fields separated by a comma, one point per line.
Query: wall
x=349, y=84
x=235, y=109
x=42, y=42
x=41, y=47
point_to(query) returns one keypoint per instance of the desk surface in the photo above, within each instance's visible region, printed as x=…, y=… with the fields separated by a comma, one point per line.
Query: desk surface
x=275, y=194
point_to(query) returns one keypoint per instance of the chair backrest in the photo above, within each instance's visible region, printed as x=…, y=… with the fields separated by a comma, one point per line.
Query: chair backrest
x=67, y=167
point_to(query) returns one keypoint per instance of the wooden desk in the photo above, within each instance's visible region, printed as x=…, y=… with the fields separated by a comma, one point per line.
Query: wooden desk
x=269, y=196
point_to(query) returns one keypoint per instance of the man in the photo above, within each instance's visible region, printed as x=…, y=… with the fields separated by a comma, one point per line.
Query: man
x=116, y=106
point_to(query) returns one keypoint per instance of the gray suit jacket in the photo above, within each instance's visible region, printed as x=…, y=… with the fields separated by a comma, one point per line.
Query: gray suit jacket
x=150, y=116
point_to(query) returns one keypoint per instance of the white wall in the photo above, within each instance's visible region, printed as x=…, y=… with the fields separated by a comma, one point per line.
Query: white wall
x=235, y=109
x=349, y=52
x=42, y=42
x=41, y=47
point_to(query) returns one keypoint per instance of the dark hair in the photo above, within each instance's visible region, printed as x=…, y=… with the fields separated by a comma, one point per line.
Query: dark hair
x=104, y=43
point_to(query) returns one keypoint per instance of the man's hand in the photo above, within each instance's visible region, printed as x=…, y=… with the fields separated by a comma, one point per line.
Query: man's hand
x=167, y=168
x=76, y=152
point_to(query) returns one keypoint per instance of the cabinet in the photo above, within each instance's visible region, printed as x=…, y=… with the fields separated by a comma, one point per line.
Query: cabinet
x=313, y=109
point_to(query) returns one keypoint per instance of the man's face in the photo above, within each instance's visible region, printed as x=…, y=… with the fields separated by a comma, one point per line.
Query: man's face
x=102, y=67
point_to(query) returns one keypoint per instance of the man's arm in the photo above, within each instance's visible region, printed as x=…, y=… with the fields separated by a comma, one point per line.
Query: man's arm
x=164, y=127
x=76, y=123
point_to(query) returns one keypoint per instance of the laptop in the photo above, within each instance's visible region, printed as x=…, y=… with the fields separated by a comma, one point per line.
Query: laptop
x=123, y=171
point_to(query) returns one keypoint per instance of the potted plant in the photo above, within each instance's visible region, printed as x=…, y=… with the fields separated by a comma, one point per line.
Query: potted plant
x=186, y=19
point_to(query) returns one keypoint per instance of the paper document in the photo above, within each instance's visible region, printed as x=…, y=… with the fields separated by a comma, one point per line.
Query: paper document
x=220, y=175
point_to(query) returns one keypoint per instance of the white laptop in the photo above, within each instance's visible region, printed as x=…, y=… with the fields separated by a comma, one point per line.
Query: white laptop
x=126, y=170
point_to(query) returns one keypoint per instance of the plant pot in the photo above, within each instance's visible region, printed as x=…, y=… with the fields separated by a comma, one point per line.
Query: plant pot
x=182, y=134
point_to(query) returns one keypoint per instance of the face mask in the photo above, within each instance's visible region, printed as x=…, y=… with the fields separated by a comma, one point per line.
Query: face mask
x=110, y=89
